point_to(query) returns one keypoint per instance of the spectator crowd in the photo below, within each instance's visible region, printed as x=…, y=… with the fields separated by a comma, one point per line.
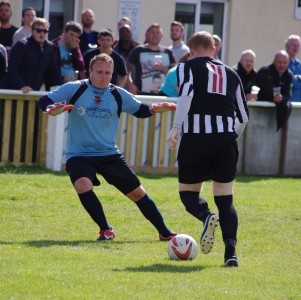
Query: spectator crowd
x=28, y=60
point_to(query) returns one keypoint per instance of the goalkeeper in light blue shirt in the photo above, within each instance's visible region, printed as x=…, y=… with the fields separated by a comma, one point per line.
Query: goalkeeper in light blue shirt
x=94, y=107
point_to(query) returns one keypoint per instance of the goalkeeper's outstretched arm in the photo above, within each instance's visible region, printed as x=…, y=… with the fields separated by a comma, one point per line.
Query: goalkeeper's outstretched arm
x=53, y=109
x=44, y=102
x=146, y=111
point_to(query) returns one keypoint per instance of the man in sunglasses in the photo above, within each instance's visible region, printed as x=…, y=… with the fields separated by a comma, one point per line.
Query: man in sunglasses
x=33, y=61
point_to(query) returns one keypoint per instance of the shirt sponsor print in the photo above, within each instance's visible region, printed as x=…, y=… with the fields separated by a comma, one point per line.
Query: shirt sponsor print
x=96, y=112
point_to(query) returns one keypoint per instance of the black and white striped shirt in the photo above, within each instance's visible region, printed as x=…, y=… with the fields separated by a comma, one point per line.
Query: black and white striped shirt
x=217, y=96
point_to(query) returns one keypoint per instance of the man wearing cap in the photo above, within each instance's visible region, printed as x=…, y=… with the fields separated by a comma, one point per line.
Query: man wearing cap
x=126, y=42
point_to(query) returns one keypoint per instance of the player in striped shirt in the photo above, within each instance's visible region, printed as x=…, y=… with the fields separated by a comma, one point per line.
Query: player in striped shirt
x=211, y=112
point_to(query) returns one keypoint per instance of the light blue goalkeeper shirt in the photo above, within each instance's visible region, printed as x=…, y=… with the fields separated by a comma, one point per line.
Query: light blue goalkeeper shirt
x=93, y=123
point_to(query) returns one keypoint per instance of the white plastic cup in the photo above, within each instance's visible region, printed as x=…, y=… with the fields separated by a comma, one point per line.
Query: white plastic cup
x=254, y=90
x=276, y=90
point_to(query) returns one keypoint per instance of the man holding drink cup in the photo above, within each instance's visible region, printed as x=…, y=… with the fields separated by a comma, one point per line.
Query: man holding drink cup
x=277, y=97
x=275, y=82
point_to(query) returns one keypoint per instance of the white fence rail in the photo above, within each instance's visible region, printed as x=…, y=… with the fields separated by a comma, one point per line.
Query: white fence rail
x=263, y=151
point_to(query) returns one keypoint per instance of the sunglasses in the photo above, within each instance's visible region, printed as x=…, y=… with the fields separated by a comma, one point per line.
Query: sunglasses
x=38, y=30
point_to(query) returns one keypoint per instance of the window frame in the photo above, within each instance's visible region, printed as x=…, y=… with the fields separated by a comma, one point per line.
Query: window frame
x=198, y=9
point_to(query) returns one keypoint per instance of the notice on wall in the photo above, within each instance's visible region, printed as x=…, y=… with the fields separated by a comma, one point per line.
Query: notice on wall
x=131, y=10
x=298, y=9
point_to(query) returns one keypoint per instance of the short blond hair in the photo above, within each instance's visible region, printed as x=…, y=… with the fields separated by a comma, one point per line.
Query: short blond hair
x=201, y=40
x=40, y=22
x=102, y=57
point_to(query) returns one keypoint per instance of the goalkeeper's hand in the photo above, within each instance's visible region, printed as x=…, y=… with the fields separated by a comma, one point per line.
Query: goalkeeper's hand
x=58, y=108
x=160, y=107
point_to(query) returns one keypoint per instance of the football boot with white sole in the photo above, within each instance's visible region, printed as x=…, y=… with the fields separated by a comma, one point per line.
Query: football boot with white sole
x=207, y=236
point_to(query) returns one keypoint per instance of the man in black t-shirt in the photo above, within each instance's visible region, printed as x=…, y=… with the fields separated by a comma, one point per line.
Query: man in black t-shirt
x=148, y=60
x=7, y=30
x=105, y=41
x=212, y=112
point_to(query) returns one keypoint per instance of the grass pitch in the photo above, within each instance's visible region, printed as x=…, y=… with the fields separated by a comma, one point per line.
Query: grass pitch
x=48, y=248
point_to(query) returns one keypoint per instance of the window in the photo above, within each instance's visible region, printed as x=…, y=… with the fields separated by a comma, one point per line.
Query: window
x=37, y=5
x=57, y=12
x=187, y=12
x=202, y=15
x=212, y=17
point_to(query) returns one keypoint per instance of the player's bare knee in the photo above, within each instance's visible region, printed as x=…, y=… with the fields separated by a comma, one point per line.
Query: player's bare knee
x=220, y=189
x=136, y=194
x=83, y=185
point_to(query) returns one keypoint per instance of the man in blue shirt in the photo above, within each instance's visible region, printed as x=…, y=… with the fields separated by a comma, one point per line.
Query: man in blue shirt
x=292, y=45
x=91, y=142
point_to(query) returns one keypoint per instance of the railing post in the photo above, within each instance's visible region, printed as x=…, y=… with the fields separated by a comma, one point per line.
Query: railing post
x=283, y=145
x=55, y=142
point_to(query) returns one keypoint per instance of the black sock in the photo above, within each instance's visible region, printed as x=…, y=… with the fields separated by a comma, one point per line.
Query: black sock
x=195, y=205
x=150, y=211
x=229, y=248
x=228, y=218
x=94, y=208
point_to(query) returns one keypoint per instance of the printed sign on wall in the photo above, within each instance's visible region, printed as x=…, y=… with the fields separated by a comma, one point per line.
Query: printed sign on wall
x=131, y=10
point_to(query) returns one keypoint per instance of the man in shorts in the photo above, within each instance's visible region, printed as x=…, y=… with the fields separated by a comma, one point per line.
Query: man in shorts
x=212, y=112
x=91, y=142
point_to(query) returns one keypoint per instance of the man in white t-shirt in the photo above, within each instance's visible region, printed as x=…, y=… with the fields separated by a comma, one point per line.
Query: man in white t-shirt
x=178, y=47
x=28, y=16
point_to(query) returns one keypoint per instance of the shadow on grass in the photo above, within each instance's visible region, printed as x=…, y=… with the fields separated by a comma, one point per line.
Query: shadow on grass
x=162, y=268
x=25, y=169
x=50, y=243
x=47, y=243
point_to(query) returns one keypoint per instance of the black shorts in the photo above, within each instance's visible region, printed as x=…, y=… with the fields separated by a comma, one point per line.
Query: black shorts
x=204, y=157
x=113, y=168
